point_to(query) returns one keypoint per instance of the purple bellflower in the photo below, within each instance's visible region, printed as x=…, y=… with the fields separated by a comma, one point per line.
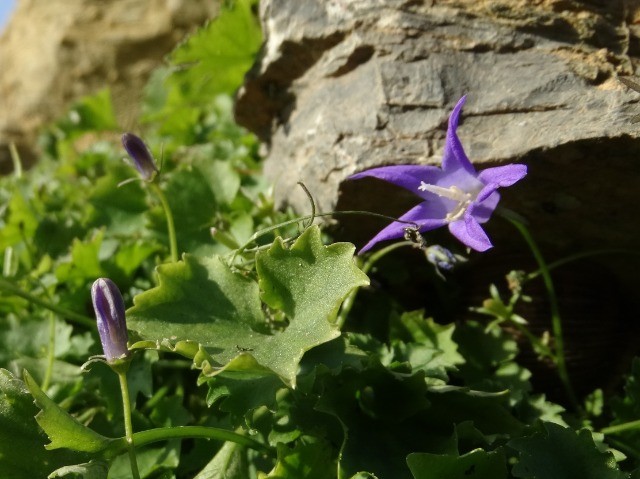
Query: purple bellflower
x=141, y=156
x=109, y=307
x=455, y=195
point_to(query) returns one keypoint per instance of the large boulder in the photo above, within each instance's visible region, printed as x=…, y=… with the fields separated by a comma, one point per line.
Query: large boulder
x=54, y=52
x=345, y=85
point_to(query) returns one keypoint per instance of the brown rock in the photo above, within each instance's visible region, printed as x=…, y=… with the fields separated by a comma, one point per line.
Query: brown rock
x=54, y=52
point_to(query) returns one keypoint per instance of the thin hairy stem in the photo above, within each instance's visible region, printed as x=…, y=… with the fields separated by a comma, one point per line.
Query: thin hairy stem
x=556, y=321
x=171, y=229
x=128, y=427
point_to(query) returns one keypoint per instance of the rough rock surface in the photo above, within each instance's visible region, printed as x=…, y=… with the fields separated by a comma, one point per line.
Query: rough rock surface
x=55, y=51
x=345, y=85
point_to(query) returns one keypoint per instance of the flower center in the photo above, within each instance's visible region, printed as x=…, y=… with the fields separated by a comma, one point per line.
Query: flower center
x=462, y=199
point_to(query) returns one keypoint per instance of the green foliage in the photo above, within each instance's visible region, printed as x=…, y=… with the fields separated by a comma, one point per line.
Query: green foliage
x=204, y=301
x=244, y=366
x=556, y=452
x=475, y=464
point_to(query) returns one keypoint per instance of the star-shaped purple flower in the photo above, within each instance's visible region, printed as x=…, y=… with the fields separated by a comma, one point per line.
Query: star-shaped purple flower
x=455, y=195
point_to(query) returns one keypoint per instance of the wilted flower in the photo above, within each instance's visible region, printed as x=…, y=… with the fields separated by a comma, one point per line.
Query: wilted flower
x=141, y=156
x=455, y=195
x=109, y=307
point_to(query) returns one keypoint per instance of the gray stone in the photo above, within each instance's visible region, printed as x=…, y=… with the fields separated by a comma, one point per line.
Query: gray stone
x=346, y=85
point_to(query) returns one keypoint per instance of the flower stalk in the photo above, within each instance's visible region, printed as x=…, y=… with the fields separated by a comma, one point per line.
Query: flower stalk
x=112, y=327
x=171, y=229
x=128, y=426
x=148, y=170
x=556, y=321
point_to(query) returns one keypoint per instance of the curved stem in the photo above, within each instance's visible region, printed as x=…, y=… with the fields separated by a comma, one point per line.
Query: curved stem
x=621, y=427
x=70, y=315
x=171, y=229
x=556, y=321
x=366, y=267
x=128, y=427
x=149, y=436
x=269, y=229
x=15, y=158
x=578, y=256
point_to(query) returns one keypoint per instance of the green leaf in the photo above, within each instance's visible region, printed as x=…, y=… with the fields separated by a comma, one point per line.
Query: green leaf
x=151, y=461
x=89, y=470
x=22, y=451
x=382, y=417
x=223, y=51
x=477, y=464
x=63, y=430
x=308, y=282
x=230, y=462
x=431, y=349
x=557, y=452
x=202, y=301
x=310, y=458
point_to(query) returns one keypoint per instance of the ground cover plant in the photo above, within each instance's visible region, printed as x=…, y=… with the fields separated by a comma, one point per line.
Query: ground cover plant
x=251, y=347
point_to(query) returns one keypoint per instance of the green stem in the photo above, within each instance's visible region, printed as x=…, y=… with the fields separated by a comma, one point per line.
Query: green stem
x=269, y=229
x=143, y=438
x=556, y=321
x=171, y=229
x=70, y=315
x=50, y=353
x=15, y=158
x=621, y=427
x=128, y=427
x=579, y=256
x=366, y=267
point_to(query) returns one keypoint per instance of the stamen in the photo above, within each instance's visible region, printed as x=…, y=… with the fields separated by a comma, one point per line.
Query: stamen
x=453, y=193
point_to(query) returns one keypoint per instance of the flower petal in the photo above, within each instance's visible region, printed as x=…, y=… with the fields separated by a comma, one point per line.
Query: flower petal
x=483, y=210
x=454, y=156
x=406, y=176
x=469, y=231
x=426, y=215
x=503, y=175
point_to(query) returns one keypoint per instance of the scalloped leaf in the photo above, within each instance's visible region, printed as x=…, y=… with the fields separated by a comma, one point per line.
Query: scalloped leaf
x=556, y=452
x=201, y=301
x=63, y=430
x=22, y=451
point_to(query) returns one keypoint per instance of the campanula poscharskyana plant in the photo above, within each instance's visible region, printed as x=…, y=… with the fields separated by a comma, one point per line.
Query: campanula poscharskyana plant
x=455, y=195
x=141, y=156
x=112, y=327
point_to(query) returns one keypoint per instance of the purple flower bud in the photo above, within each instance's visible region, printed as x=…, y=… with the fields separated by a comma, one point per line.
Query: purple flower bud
x=109, y=307
x=141, y=156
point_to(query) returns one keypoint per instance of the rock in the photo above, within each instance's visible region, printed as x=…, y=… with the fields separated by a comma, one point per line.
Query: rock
x=54, y=52
x=345, y=85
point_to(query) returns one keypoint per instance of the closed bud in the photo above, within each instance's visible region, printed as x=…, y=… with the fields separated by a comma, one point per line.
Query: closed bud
x=109, y=307
x=141, y=156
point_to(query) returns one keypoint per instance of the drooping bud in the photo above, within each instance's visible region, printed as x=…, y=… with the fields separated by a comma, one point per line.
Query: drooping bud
x=141, y=156
x=109, y=307
x=441, y=257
